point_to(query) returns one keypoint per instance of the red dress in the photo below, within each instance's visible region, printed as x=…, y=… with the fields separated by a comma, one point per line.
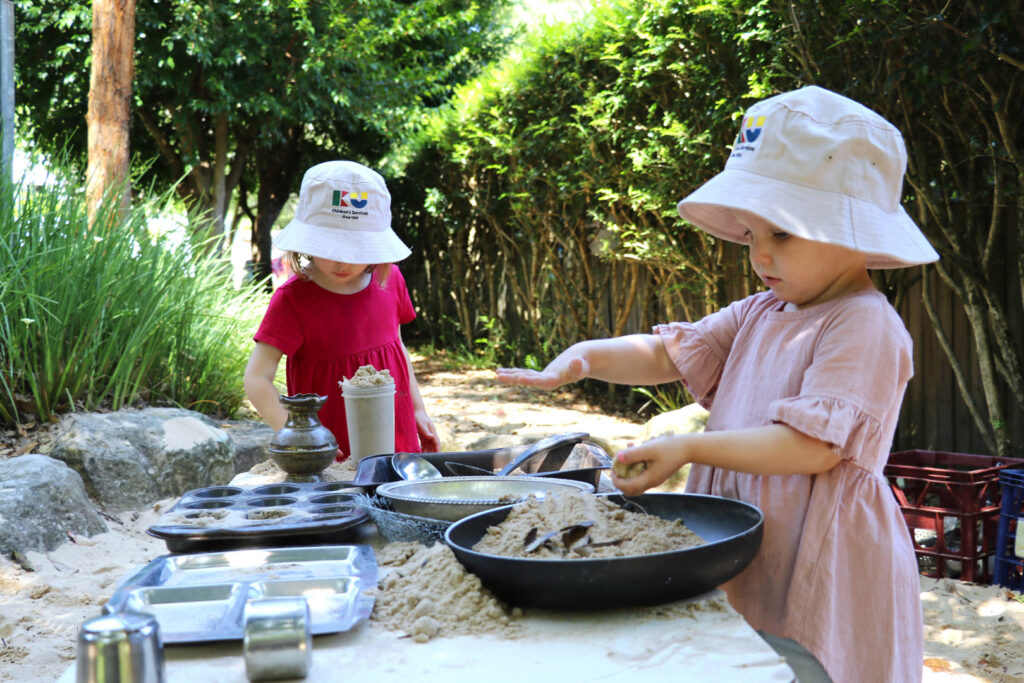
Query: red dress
x=327, y=336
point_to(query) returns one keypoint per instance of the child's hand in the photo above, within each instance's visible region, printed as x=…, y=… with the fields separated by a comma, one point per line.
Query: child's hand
x=569, y=366
x=430, y=442
x=638, y=468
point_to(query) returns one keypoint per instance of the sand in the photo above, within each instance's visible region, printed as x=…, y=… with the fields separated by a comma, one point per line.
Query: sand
x=577, y=525
x=973, y=632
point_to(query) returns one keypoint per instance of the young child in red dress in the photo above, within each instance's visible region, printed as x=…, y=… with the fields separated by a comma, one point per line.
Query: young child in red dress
x=803, y=383
x=342, y=309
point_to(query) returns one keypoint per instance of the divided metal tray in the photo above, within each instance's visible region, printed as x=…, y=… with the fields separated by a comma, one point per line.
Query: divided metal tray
x=229, y=517
x=201, y=597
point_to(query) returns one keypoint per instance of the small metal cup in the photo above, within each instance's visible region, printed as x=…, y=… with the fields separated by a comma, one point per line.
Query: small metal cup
x=120, y=648
x=278, y=640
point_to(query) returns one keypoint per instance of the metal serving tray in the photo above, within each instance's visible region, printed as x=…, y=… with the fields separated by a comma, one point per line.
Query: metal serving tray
x=201, y=597
x=229, y=517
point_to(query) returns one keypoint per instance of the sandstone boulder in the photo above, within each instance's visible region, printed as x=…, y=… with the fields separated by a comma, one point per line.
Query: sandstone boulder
x=131, y=458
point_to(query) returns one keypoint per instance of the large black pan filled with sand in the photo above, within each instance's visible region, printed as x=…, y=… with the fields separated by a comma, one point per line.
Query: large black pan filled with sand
x=561, y=563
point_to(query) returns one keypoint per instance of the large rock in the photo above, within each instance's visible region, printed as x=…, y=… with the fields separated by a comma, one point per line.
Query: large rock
x=132, y=458
x=250, y=440
x=689, y=419
x=41, y=500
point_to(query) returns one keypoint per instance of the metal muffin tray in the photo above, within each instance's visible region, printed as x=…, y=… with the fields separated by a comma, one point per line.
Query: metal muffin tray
x=201, y=597
x=289, y=513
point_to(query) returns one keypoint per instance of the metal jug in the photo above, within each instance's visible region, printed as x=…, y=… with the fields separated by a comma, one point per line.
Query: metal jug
x=303, y=448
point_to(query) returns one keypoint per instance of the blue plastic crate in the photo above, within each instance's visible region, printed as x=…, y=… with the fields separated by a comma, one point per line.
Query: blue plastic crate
x=1009, y=569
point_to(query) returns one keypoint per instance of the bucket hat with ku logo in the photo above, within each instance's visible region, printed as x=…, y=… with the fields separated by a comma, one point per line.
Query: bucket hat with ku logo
x=819, y=166
x=343, y=214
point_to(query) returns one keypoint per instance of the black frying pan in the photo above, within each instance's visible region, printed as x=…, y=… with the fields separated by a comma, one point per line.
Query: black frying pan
x=731, y=530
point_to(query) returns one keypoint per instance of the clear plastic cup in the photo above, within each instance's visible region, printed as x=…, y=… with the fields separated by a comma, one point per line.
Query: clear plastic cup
x=370, y=418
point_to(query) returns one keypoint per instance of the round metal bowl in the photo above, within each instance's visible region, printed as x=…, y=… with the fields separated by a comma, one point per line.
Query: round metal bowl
x=731, y=530
x=453, y=498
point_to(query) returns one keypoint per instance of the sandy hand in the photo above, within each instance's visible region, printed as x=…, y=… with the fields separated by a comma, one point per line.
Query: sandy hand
x=628, y=471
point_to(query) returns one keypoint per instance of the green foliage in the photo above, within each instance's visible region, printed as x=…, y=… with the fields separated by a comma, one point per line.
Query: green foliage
x=950, y=76
x=549, y=183
x=664, y=398
x=298, y=82
x=106, y=316
x=553, y=176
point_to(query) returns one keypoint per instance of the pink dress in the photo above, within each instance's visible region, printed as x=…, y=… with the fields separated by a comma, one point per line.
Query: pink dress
x=836, y=571
x=328, y=336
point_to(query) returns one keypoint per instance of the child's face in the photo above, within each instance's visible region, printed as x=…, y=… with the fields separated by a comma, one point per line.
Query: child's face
x=337, y=276
x=800, y=271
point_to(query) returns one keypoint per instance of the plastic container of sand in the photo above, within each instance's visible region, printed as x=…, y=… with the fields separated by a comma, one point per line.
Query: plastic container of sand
x=369, y=412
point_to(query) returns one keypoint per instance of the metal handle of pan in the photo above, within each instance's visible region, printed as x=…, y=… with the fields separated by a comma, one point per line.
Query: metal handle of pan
x=544, y=444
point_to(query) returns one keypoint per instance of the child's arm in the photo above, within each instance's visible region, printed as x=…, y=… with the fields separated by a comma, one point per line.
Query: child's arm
x=632, y=359
x=771, y=449
x=259, y=384
x=430, y=442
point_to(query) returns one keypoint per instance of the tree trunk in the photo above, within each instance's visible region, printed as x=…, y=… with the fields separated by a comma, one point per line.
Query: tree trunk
x=276, y=169
x=220, y=172
x=110, y=88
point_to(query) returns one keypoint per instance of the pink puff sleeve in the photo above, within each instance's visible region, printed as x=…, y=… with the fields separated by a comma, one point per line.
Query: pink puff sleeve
x=850, y=395
x=839, y=423
x=696, y=360
x=699, y=350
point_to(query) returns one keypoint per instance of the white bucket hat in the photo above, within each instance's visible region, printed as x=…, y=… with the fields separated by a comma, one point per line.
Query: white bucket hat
x=822, y=167
x=343, y=214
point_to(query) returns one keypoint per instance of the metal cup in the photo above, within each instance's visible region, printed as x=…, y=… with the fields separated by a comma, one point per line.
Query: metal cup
x=120, y=648
x=278, y=640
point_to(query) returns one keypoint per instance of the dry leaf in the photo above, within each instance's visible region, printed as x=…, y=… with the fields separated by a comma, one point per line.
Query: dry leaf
x=938, y=664
x=27, y=448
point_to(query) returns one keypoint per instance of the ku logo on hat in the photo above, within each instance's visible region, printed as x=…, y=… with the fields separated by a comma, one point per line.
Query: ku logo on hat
x=750, y=129
x=746, y=139
x=356, y=199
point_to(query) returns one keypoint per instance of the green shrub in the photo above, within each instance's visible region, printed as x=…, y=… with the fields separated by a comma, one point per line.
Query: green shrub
x=552, y=180
x=544, y=197
x=106, y=316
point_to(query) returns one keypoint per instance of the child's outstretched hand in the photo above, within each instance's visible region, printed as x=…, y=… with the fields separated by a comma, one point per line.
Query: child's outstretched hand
x=569, y=366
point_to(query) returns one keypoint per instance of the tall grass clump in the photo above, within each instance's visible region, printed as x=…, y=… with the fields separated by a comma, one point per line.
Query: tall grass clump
x=106, y=315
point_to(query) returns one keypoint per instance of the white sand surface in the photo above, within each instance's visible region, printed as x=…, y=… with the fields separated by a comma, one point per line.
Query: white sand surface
x=973, y=632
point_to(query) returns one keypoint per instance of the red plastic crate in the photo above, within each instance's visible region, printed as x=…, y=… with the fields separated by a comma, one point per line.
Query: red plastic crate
x=945, y=495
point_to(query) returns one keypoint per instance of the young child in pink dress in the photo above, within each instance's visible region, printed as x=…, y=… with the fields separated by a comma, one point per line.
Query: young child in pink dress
x=342, y=308
x=803, y=383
